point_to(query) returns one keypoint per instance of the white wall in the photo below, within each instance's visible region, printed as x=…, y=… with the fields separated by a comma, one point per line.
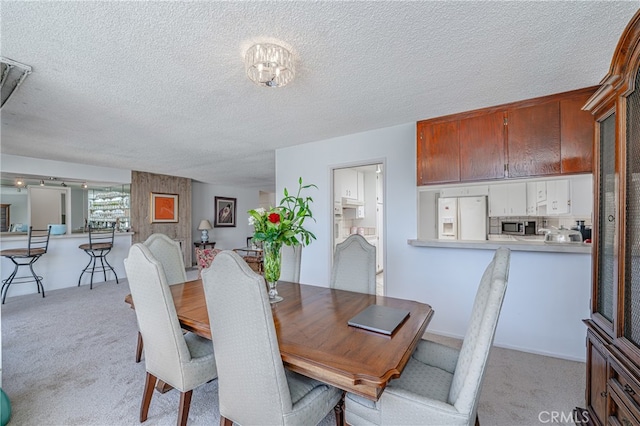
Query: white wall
x=548, y=293
x=202, y=207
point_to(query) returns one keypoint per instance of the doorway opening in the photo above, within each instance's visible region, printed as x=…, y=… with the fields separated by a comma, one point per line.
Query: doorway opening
x=358, y=194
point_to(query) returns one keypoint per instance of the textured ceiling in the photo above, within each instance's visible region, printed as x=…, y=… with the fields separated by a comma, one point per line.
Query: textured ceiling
x=161, y=86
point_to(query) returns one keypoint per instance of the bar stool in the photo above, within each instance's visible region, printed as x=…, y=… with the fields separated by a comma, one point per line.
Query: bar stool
x=38, y=242
x=100, y=244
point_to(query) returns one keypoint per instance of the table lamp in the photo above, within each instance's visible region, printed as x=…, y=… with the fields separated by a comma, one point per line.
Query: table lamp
x=204, y=226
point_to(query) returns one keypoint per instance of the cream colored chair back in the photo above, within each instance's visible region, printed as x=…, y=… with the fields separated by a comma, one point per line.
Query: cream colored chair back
x=169, y=254
x=254, y=388
x=291, y=259
x=354, y=266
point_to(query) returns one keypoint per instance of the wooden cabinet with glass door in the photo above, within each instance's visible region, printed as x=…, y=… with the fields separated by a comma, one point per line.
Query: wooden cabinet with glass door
x=5, y=218
x=614, y=325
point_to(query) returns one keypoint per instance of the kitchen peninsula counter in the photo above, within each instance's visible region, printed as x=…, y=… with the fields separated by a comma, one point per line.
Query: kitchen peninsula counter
x=534, y=246
x=60, y=267
x=22, y=236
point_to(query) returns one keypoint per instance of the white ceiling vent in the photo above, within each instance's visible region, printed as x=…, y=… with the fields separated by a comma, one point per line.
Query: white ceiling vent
x=12, y=75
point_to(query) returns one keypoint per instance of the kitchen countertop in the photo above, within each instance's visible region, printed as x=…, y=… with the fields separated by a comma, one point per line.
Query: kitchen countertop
x=515, y=245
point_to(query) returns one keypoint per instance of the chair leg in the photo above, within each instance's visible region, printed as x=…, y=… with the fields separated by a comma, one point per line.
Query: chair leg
x=36, y=277
x=85, y=268
x=149, y=385
x=111, y=267
x=225, y=422
x=139, y=348
x=339, y=410
x=185, y=403
x=6, y=283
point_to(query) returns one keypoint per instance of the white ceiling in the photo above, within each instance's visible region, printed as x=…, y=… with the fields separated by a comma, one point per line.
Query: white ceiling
x=161, y=86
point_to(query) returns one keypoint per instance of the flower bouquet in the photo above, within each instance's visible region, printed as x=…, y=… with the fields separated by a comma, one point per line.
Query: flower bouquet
x=281, y=225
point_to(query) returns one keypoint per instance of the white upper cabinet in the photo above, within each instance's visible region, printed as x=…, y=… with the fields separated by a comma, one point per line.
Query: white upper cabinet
x=350, y=182
x=582, y=195
x=558, y=198
x=532, y=198
x=509, y=199
x=540, y=191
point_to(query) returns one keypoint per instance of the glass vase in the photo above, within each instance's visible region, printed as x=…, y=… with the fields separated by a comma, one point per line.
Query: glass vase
x=272, y=261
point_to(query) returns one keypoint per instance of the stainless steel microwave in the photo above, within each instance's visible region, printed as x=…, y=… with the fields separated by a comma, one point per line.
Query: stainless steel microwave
x=527, y=227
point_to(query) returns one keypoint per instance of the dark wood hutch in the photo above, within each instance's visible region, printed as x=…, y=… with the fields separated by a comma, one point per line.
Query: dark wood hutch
x=613, y=330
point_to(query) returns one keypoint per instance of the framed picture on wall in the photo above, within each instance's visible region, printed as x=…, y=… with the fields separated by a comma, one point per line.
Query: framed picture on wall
x=225, y=212
x=164, y=208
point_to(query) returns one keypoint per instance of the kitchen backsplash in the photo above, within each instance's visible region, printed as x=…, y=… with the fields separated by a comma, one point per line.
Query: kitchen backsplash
x=495, y=223
x=346, y=229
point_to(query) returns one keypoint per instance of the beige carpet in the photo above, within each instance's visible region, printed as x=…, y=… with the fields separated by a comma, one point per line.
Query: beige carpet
x=68, y=359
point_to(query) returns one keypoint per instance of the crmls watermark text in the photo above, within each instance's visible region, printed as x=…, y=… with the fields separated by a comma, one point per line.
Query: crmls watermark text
x=561, y=417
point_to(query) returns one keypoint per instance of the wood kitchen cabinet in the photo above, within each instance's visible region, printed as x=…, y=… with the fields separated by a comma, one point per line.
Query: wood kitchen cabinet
x=5, y=217
x=544, y=136
x=576, y=134
x=438, y=153
x=596, y=393
x=481, y=140
x=613, y=328
x=533, y=140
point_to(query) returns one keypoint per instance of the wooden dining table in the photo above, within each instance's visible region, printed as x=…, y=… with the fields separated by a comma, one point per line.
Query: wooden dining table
x=315, y=339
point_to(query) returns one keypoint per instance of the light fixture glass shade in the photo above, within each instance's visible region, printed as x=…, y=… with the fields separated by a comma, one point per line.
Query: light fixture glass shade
x=269, y=65
x=12, y=74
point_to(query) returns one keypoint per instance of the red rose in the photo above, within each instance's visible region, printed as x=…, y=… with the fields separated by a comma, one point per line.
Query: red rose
x=274, y=218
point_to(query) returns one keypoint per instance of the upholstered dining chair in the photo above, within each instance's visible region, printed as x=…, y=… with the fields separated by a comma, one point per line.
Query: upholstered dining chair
x=441, y=385
x=204, y=257
x=253, y=385
x=183, y=361
x=354, y=265
x=290, y=267
x=169, y=254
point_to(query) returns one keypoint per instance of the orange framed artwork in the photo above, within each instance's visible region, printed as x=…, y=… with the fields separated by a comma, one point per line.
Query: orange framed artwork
x=164, y=208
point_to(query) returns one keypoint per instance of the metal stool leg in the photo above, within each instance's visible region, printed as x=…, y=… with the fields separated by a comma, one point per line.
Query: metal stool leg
x=92, y=264
x=85, y=268
x=104, y=266
x=110, y=267
x=6, y=283
x=102, y=259
x=38, y=278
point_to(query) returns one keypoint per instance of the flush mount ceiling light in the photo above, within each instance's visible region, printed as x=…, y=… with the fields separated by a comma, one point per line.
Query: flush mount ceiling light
x=269, y=65
x=12, y=74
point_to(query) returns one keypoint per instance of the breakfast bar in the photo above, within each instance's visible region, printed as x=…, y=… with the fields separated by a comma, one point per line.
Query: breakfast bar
x=60, y=267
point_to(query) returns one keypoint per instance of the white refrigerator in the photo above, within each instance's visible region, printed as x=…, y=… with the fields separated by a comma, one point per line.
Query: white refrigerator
x=462, y=218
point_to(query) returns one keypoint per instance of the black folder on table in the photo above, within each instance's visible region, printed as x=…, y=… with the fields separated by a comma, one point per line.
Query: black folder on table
x=379, y=318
